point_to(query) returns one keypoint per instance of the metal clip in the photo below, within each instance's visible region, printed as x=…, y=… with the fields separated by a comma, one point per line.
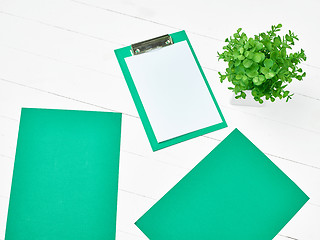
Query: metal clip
x=151, y=44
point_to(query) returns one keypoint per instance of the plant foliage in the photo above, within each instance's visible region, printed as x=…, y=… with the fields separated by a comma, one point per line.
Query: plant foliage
x=262, y=64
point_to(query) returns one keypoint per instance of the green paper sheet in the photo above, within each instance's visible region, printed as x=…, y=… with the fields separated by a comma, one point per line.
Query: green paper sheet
x=65, y=179
x=235, y=193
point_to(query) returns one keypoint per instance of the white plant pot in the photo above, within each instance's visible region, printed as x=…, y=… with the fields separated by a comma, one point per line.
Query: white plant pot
x=248, y=101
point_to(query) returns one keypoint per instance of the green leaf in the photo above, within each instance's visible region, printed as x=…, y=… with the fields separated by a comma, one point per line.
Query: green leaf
x=254, y=92
x=236, y=53
x=270, y=74
x=269, y=46
x=264, y=70
x=258, y=80
x=240, y=69
x=285, y=94
x=243, y=84
x=279, y=25
x=278, y=84
x=274, y=54
x=259, y=46
x=250, y=55
x=277, y=41
x=238, y=76
x=283, y=52
x=241, y=57
x=262, y=78
x=223, y=77
x=268, y=63
x=244, y=36
x=236, y=89
x=247, y=63
x=251, y=41
x=237, y=62
x=254, y=67
x=256, y=57
x=275, y=68
x=288, y=38
x=267, y=96
x=252, y=74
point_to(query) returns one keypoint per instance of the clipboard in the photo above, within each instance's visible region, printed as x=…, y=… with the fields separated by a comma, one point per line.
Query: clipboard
x=170, y=91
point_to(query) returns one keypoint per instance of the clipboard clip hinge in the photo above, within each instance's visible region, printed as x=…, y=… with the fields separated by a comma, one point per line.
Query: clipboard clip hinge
x=154, y=43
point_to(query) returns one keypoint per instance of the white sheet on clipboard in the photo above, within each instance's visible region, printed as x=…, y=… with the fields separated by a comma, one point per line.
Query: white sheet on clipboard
x=173, y=91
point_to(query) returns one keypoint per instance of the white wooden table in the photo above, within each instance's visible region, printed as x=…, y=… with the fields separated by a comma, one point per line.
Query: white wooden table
x=59, y=54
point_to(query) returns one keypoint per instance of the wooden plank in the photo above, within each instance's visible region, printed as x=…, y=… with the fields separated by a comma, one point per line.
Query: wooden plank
x=218, y=20
x=86, y=52
x=4, y=201
x=74, y=17
x=305, y=224
x=57, y=44
x=130, y=208
x=6, y=168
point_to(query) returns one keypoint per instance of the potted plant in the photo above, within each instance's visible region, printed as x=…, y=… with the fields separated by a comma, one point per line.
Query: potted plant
x=262, y=64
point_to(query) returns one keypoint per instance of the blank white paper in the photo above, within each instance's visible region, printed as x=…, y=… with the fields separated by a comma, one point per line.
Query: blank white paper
x=173, y=91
